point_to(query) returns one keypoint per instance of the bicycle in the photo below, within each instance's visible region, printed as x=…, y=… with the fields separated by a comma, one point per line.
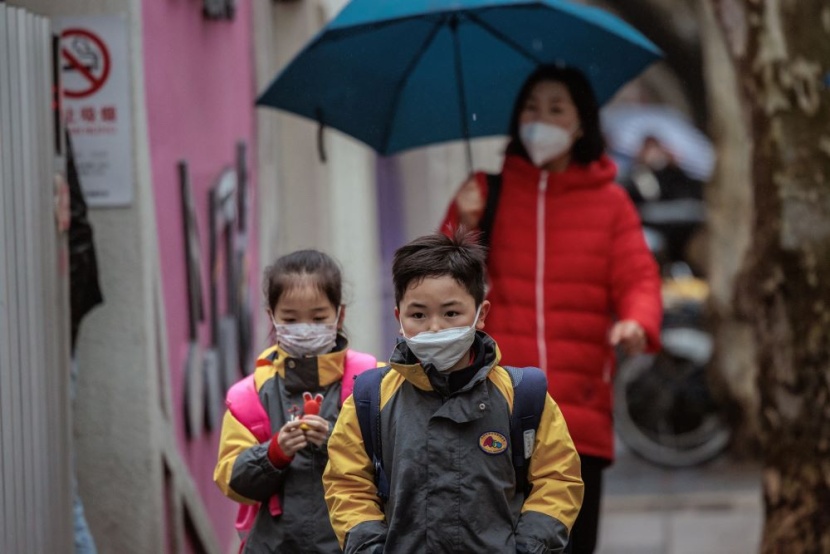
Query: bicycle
x=664, y=409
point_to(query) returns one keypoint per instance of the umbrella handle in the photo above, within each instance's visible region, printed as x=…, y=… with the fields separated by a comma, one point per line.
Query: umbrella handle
x=469, y=156
x=321, y=146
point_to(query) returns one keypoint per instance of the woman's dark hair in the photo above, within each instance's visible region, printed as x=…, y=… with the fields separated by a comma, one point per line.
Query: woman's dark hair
x=461, y=257
x=587, y=148
x=303, y=266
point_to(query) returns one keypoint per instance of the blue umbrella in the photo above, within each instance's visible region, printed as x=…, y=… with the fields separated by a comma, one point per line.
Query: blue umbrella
x=396, y=74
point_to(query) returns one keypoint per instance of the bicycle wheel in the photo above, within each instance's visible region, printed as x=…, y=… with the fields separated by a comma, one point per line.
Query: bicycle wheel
x=665, y=413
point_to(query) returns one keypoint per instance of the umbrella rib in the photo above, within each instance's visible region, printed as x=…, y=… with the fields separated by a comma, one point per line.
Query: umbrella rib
x=502, y=37
x=403, y=81
x=462, y=94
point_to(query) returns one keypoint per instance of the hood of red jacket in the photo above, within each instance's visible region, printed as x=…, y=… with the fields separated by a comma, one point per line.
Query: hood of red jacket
x=595, y=174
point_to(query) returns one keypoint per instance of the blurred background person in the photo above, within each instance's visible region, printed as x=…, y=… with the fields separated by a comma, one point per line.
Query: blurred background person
x=84, y=295
x=669, y=200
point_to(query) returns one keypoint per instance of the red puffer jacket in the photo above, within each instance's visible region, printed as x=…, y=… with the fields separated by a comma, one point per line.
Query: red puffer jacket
x=567, y=257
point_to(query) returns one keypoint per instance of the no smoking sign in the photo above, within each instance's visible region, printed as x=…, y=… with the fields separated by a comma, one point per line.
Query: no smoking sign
x=94, y=65
x=85, y=62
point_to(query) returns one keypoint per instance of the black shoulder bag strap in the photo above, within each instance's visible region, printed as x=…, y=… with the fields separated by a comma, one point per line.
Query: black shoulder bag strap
x=489, y=215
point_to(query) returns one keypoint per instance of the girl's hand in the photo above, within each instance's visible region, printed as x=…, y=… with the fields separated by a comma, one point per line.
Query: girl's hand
x=317, y=431
x=629, y=335
x=291, y=438
x=470, y=204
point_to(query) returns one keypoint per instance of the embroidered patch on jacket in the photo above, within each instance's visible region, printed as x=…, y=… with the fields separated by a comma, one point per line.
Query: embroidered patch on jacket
x=492, y=443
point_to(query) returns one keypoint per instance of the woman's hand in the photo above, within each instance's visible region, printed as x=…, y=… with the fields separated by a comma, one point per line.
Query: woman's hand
x=629, y=335
x=317, y=431
x=291, y=438
x=470, y=204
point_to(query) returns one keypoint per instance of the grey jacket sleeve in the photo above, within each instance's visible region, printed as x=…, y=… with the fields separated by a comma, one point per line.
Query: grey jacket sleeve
x=368, y=537
x=254, y=476
x=539, y=533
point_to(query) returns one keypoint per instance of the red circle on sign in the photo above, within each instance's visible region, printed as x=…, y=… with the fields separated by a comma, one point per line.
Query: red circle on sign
x=95, y=83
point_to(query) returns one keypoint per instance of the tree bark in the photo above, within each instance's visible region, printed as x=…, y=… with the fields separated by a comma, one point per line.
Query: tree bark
x=781, y=54
x=696, y=52
x=729, y=229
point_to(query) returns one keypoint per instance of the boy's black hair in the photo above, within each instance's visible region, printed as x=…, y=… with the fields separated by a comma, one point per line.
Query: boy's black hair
x=302, y=265
x=588, y=147
x=461, y=257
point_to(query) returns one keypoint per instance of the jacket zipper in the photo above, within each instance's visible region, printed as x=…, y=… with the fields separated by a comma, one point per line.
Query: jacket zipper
x=540, y=272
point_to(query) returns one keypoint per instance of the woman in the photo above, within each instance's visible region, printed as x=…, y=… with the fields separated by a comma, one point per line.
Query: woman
x=571, y=277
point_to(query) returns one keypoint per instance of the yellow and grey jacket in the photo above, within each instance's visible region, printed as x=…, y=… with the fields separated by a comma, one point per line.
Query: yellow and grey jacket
x=245, y=474
x=452, y=488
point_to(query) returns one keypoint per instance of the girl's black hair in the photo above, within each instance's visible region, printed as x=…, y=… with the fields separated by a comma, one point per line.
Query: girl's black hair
x=303, y=265
x=588, y=147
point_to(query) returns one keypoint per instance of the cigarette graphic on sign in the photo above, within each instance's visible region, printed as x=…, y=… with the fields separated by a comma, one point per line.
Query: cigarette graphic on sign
x=85, y=54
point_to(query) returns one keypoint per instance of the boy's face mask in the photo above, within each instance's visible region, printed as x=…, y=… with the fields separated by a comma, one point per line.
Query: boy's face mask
x=307, y=339
x=442, y=349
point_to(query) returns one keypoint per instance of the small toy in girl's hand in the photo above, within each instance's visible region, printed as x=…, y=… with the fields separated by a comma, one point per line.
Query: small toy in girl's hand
x=311, y=406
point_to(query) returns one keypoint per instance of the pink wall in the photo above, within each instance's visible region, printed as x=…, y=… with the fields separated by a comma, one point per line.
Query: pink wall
x=200, y=101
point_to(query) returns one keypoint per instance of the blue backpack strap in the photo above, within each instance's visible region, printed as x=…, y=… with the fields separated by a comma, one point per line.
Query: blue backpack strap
x=530, y=387
x=367, y=404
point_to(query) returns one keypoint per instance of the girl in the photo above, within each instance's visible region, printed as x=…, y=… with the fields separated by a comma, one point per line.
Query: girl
x=272, y=450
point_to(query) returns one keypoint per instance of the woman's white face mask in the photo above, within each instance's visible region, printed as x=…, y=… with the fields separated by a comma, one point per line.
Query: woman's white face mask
x=544, y=141
x=307, y=339
x=442, y=349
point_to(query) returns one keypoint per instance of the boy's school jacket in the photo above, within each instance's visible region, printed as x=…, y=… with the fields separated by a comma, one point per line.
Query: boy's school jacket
x=452, y=484
x=245, y=474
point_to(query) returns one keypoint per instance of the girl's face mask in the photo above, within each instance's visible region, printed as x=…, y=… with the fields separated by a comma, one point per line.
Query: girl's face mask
x=307, y=339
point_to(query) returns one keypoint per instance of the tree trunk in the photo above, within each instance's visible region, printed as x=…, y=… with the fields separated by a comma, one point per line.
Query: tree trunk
x=696, y=53
x=781, y=54
x=734, y=374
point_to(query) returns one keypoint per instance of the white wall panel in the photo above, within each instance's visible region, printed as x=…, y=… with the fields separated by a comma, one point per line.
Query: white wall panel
x=35, y=501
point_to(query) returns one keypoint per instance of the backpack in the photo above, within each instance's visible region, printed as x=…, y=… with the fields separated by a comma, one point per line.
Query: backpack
x=530, y=387
x=244, y=404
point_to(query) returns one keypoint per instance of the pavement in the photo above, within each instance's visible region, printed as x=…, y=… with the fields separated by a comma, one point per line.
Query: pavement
x=711, y=509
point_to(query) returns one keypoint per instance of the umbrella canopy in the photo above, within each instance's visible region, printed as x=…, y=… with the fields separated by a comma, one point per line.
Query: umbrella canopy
x=399, y=74
x=626, y=127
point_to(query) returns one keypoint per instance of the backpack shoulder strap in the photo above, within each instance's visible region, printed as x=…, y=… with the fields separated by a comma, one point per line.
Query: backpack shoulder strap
x=244, y=404
x=367, y=404
x=355, y=364
x=492, y=202
x=530, y=387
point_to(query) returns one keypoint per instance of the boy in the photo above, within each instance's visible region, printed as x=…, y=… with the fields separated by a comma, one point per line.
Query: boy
x=445, y=410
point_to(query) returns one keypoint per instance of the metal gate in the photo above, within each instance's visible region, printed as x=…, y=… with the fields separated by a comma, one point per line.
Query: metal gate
x=35, y=422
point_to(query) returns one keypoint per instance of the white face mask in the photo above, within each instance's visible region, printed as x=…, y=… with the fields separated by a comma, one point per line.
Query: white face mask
x=544, y=141
x=442, y=349
x=307, y=339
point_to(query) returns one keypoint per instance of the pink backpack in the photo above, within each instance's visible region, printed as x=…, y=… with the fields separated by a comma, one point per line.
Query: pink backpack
x=243, y=402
